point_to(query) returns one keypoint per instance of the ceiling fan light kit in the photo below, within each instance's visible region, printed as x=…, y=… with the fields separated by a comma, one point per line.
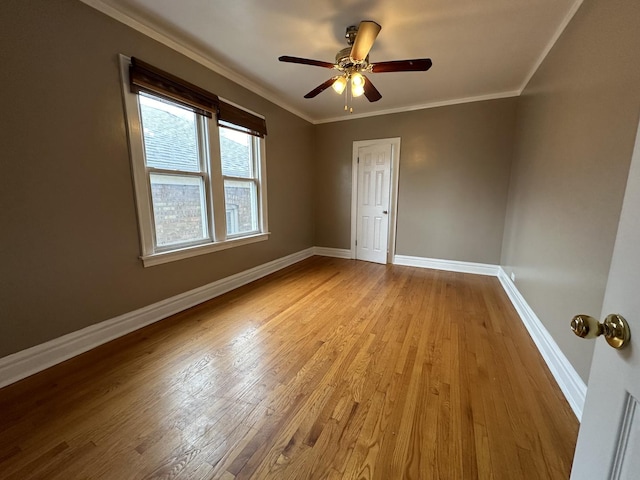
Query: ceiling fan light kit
x=340, y=84
x=353, y=62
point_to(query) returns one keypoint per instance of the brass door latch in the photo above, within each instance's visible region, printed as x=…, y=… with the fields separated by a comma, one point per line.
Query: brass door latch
x=614, y=328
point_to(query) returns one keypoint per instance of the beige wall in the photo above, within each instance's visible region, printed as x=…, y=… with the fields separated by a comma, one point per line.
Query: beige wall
x=454, y=178
x=576, y=124
x=69, y=244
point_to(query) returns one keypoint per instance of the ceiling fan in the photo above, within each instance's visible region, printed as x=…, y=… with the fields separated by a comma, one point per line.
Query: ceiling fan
x=353, y=62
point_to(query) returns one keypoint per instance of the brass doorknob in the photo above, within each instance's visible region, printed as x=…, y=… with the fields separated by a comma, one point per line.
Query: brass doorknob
x=614, y=328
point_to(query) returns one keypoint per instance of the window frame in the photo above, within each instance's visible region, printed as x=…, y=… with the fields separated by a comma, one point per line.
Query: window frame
x=209, y=149
x=254, y=178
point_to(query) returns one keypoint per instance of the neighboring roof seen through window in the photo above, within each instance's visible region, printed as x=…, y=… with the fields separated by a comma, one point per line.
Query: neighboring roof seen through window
x=176, y=147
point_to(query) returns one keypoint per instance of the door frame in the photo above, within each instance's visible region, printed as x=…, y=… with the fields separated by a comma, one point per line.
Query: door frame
x=393, y=194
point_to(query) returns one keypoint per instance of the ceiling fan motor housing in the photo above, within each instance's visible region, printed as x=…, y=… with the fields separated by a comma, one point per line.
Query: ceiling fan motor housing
x=344, y=62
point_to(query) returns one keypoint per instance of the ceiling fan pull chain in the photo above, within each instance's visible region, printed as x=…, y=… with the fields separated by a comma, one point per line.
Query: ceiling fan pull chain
x=351, y=102
x=346, y=100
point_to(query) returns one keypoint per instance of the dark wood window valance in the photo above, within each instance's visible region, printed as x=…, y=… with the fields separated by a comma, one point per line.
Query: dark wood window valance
x=147, y=78
x=238, y=119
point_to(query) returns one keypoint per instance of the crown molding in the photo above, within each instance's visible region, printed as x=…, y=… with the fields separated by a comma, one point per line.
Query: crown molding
x=208, y=62
x=254, y=87
x=410, y=108
x=568, y=17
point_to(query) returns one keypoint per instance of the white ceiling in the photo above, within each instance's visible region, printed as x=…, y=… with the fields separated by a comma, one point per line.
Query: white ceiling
x=479, y=48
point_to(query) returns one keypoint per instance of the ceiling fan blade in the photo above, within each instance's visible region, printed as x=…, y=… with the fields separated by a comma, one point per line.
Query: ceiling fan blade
x=321, y=88
x=367, y=33
x=371, y=92
x=415, y=65
x=306, y=61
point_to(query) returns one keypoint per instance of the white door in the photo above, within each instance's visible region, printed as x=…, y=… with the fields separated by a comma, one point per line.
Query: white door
x=609, y=439
x=374, y=180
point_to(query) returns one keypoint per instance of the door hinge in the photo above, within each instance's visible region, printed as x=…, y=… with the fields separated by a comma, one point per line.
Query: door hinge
x=358, y=159
x=356, y=243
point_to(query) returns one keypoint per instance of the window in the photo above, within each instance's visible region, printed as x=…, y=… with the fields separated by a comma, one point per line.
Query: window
x=238, y=153
x=198, y=166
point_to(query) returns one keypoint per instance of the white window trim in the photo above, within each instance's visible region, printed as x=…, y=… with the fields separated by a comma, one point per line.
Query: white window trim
x=150, y=255
x=255, y=179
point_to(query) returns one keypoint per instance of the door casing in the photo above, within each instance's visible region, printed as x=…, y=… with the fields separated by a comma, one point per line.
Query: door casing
x=393, y=194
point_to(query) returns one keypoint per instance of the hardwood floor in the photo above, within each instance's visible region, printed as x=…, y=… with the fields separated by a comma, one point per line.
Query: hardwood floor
x=328, y=369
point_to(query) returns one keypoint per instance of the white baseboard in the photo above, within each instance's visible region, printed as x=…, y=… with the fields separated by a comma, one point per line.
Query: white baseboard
x=27, y=362
x=571, y=384
x=333, y=252
x=448, y=265
x=22, y=364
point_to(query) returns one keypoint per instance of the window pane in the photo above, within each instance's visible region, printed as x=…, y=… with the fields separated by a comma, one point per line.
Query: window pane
x=178, y=209
x=236, y=152
x=170, y=135
x=241, y=207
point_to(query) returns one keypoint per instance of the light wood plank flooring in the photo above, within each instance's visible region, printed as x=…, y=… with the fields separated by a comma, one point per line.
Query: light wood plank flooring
x=328, y=369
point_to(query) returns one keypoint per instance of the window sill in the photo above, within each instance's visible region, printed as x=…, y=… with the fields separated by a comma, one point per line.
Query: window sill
x=180, y=254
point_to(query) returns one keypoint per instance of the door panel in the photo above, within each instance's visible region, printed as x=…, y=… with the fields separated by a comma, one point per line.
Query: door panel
x=609, y=439
x=627, y=460
x=374, y=180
